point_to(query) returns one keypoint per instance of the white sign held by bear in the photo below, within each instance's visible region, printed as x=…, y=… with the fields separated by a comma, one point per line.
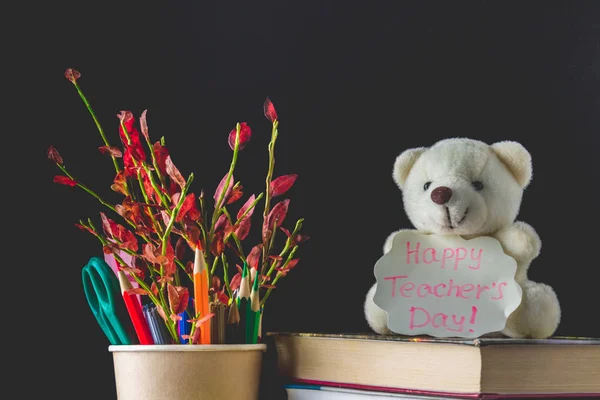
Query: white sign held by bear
x=446, y=286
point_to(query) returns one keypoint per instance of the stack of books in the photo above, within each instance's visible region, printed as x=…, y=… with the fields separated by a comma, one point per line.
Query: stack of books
x=352, y=366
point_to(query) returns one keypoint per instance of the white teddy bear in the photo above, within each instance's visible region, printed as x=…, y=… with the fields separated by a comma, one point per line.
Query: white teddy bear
x=469, y=188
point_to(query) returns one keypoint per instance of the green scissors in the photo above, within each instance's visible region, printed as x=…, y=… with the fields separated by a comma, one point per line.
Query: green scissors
x=102, y=290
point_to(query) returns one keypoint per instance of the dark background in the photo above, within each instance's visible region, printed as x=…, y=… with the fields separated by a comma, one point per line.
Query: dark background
x=354, y=83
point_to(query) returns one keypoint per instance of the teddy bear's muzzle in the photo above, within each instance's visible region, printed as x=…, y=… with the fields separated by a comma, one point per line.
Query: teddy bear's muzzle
x=441, y=195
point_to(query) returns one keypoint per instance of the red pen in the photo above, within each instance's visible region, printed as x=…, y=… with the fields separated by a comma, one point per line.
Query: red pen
x=135, y=311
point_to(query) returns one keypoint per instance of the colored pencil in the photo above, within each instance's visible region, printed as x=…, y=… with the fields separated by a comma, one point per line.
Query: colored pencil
x=253, y=314
x=243, y=302
x=201, y=294
x=232, y=335
x=218, y=325
x=134, y=308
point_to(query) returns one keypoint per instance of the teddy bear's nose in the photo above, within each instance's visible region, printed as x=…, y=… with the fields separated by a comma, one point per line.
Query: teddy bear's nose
x=441, y=195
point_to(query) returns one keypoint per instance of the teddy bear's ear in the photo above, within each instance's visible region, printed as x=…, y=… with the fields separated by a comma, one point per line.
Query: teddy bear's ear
x=404, y=163
x=516, y=158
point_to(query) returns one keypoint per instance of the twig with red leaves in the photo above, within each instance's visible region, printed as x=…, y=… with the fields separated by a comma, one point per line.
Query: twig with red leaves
x=168, y=208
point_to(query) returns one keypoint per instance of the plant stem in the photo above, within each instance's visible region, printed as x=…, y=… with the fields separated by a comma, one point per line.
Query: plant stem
x=279, y=274
x=288, y=242
x=226, y=276
x=89, y=107
x=271, y=147
x=214, y=266
x=218, y=205
x=174, y=215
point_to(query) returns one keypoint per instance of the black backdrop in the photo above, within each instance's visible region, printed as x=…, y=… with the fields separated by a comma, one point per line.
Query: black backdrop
x=354, y=84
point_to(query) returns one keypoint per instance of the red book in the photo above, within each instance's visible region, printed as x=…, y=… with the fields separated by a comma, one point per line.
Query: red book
x=134, y=308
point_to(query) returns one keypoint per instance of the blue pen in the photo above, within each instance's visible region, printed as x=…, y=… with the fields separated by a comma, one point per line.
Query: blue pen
x=184, y=325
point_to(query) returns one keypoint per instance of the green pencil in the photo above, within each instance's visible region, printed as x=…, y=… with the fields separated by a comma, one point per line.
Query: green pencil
x=243, y=302
x=253, y=314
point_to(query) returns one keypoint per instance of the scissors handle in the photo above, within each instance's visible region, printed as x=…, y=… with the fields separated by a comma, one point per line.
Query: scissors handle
x=102, y=290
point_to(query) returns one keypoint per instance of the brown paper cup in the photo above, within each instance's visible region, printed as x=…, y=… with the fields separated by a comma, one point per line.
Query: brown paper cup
x=188, y=372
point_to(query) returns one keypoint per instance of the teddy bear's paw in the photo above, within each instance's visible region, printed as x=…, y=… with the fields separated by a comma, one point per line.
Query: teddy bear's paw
x=376, y=317
x=537, y=316
x=520, y=241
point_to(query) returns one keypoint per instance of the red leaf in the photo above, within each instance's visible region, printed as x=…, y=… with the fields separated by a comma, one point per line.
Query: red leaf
x=112, y=150
x=282, y=184
x=243, y=228
x=217, y=244
x=180, y=248
x=220, y=190
x=169, y=267
x=216, y=283
x=119, y=233
x=287, y=232
x=173, y=172
x=161, y=153
x=53, y=155
x=149, y=188
x=193, y=233
x=144, y=125
x=130, y=270
x=278, y=214
x=236, y=194
x=244, y=138
x=138, y=291
x=266, y=285
x=254, y=256
x=188, y=208
x=161, y=312
x=133, y=146
x=64, y=180
x=119, y=183
x=154, y=288
x=72, y=74
x=292, y=263
x=269, y=110
x=85, y=228
x=151, y=254
x=222, y=225
x=203, y=320
x=189, y=267
x=235, y=281
x=246, y=205
x=222, y=297
x=178, y=298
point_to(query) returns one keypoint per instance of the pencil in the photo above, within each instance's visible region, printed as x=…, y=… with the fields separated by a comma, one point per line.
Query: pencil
x=232, y=336
x=134, y=308
x=201, y=294
x=253, y=314
x=243, y=302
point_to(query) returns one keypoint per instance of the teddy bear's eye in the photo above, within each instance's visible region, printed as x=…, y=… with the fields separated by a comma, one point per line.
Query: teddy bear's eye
x=426, y=185
x=477, y=185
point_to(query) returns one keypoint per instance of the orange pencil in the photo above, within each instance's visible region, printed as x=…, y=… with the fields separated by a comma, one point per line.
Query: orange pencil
x=201, y=294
